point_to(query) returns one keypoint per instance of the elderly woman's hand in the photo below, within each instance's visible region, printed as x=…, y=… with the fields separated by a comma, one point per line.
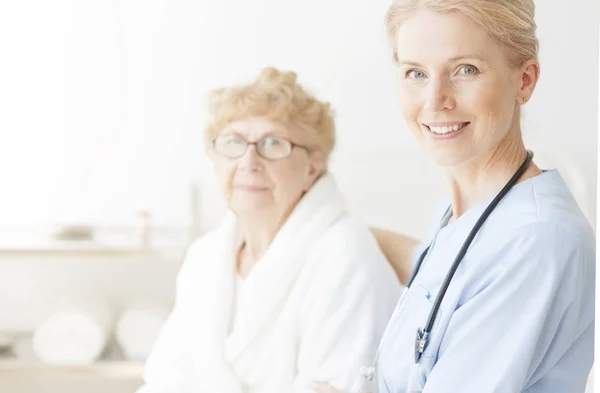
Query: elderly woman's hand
x=324, y=387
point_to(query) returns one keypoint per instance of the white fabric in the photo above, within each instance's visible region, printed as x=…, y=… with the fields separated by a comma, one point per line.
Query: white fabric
x=137, y=330
x=237, y=322
x=74, y=334
x=314, y=308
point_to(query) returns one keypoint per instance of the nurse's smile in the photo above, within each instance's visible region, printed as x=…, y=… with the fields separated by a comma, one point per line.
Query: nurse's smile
x=446, y=130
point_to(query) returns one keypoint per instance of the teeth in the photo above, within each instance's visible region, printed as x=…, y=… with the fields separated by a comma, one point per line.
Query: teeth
x=446, y=129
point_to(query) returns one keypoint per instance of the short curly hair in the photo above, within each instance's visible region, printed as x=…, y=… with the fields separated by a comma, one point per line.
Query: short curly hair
x=276, y=95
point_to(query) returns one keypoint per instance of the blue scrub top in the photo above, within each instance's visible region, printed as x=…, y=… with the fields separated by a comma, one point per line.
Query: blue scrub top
x=518, y=315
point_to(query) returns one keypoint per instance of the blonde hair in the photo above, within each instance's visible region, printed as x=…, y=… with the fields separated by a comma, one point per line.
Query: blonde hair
x=510, y=22
x=276, y=95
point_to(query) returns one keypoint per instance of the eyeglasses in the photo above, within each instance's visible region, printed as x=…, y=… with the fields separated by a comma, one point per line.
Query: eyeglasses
x=269, y=147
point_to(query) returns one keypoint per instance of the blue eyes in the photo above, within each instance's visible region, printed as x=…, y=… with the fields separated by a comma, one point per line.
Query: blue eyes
x=414, y=74
x=466, y=70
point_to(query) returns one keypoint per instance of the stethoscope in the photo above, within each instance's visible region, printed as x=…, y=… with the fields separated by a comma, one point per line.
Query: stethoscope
x=422, y=338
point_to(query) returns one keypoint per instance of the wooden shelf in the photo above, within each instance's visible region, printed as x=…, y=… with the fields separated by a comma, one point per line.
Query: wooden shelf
x=86, y=249
x=14, y=369
x=104, y=240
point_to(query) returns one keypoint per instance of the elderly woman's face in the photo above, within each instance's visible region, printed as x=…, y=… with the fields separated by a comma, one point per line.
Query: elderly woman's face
x=457, y=91
x=251, y=182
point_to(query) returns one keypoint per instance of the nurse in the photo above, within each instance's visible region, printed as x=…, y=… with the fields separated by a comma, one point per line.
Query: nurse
x=518, y=313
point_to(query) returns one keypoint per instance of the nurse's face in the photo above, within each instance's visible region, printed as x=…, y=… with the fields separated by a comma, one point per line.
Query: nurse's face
x=458, y=93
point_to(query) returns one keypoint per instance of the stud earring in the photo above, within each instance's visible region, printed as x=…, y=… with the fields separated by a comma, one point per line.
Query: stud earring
x=524, y=99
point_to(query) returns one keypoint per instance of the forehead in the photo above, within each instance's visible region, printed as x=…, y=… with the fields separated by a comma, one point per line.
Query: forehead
x=428, y=36
x=256, y=127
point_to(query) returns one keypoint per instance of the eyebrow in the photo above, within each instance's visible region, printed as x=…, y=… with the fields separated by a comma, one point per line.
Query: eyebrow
x=453, y=59
x=272, y=133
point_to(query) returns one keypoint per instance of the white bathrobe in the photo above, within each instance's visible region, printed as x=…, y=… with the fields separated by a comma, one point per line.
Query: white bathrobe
x=313, y=308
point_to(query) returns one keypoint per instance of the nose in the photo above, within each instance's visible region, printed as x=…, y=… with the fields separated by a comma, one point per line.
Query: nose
x=439, y=96
x=250, y=161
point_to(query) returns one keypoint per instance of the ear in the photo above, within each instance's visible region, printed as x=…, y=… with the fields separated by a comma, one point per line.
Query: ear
x=529, y=76
x=316, y=165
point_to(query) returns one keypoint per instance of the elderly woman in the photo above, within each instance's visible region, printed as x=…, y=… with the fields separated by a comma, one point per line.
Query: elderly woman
x=501, y=296
x=290, y=288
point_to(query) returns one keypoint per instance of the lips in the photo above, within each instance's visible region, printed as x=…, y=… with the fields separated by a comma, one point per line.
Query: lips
x=446, y=128
x=251, y=188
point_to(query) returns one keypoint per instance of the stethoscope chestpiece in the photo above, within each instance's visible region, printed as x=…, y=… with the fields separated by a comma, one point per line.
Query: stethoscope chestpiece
x=420, y=344
x=367, y=372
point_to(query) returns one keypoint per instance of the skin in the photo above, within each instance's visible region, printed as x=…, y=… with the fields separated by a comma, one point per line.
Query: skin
x=261, y=192
x=398, y=250
x=450, y=72
x=479, y=87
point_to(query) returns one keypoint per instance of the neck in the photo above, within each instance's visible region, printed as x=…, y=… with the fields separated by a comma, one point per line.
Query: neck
x=257, y=239
x=258, y=230
x=483, y=177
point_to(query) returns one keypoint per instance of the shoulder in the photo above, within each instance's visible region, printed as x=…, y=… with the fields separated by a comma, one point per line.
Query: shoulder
x=346, y=270
x=554, y=240
x=539, y=212
x=541, y=255
x=532, y=241
x=348, y=254
x=547, y=199
x=351, y=242
x=538, y=232
x=196, y=258
x=556, y=206
x=537, y=260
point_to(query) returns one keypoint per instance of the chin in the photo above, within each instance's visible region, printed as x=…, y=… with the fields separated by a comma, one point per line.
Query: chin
x=446, y=162
x=446, y=157
x=249, y=207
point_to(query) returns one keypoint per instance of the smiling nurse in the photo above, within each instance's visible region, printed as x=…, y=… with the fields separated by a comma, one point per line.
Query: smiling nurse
x=501, y=296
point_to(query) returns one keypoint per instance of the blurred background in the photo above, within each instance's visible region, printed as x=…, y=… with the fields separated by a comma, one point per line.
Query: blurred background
x=104, y=181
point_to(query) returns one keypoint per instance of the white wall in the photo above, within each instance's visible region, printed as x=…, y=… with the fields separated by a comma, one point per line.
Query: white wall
x=102, y=102
x=101, y=111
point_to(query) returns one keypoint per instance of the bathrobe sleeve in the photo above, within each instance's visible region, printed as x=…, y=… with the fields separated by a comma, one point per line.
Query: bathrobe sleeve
x=167, y=369
x=529, y=315
x=345, y=317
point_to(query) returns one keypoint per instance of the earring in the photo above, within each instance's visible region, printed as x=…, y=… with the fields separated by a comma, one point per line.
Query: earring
x=524, y=99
